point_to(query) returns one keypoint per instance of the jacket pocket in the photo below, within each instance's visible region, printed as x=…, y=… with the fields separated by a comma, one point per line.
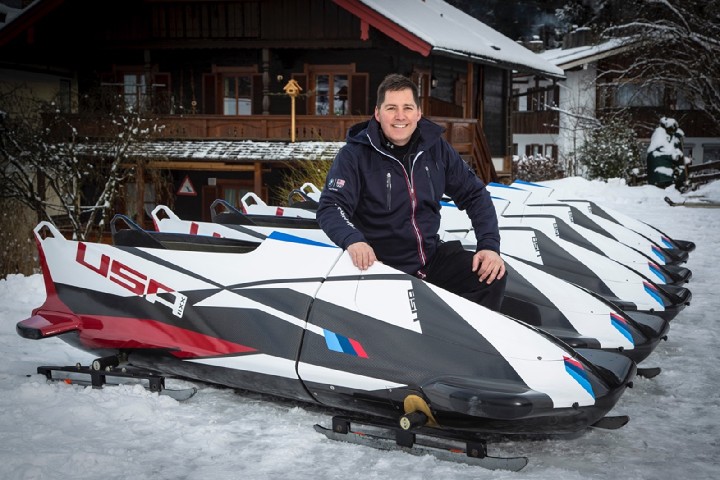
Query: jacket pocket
x=430, y=181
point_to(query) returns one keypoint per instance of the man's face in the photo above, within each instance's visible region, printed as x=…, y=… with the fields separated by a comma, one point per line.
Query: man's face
x=398, y=116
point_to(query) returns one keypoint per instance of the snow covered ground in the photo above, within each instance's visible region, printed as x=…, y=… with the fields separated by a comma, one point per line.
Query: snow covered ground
x=60, y=431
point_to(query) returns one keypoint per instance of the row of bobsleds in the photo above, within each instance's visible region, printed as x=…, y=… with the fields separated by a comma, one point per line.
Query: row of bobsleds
x=259, y=299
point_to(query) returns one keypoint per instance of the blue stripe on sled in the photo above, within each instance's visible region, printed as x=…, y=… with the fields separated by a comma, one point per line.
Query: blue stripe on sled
x=286, y=237
x=621, y=325
x=656, y=270
x=667, y=242
x=523, y=182
x=342, y=344
x=578, y=373
x=502, y=185
x=332, y=342
x=658, y=253
x=448, y=204
x=653, y=293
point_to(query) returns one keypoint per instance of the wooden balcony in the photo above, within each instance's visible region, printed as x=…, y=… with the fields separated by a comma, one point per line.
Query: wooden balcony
x=463, y=133
x=544, y=121
x=458, y=131
x=318, y=128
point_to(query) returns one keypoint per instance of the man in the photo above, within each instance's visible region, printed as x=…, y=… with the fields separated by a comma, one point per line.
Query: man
x=382, y=195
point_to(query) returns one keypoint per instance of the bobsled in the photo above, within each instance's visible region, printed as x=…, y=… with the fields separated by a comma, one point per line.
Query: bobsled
x=623, y=286
x=576, y=263
x=555, y=227
x=578, y=317
x=599, y=211
x=524, y=202
x=296, y=319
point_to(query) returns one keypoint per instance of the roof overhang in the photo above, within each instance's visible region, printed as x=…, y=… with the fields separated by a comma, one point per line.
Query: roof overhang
x=386, y=26
x=24, y=22
x=415, y=43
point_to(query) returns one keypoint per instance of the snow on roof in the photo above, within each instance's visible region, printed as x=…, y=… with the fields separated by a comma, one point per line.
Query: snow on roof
x=454, y=32
x=573, y=57
x=224, y=150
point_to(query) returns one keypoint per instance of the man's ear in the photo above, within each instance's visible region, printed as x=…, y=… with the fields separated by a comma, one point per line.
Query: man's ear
x=377, y=114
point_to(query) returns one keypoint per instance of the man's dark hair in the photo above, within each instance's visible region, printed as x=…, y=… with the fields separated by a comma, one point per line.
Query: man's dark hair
x=396, y=82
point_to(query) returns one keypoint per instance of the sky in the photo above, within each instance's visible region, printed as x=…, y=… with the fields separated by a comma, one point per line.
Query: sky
x=60, y=431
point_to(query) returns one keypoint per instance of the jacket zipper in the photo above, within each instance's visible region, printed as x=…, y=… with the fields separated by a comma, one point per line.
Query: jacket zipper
x=388, y=186
x=413, y=201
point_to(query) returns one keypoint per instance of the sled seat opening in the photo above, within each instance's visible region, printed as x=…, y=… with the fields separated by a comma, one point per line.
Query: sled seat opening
x=181, y=241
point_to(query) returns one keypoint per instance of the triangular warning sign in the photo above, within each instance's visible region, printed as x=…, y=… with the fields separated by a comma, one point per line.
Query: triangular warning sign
x=187, y=188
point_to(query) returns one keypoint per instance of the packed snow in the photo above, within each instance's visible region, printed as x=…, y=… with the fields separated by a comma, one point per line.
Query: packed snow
x=61, y=431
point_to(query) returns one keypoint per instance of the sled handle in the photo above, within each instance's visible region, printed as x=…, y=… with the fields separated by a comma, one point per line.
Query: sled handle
x=252, y=196
x=309, y=187
x=215, y=211
x=45, y=230
x=162, y=212
x=128, y=223
x=304, y=196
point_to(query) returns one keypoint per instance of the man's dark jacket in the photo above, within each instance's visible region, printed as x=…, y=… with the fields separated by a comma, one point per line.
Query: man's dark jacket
x=370, y=197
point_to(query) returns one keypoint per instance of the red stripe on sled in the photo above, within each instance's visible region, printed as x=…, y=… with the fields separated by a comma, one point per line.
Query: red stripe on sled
x=359, y=350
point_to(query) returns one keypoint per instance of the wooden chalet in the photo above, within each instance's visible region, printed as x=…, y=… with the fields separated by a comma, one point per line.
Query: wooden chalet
x=552, y=118
x=215, y=73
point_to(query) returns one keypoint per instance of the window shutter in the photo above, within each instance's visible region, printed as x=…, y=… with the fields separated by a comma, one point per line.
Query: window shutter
x=257, y=94
x=209, y=100
x=359, y=94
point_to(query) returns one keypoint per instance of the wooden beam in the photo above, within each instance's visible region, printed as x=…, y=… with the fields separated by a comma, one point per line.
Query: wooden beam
x=257, y=179
x=209, y=166
x=386, y=26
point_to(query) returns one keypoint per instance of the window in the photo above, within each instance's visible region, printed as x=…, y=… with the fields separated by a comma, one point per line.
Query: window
x=634, y=95
x=533, y=149
x=539, y=99
x=229, y=189
x=630, y=95
x=711, y=152
x=132, y=209
x=130, y=84
x=331, y=94
x=134, y=92
x=688, y=150
x=334, y=90
x=237, y=94
x=551, y=150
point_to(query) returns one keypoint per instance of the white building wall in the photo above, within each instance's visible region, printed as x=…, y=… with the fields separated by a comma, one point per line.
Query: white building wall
x=577, y=112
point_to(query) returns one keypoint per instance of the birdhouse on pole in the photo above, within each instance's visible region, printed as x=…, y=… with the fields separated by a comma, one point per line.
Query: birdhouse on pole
x=292, y=89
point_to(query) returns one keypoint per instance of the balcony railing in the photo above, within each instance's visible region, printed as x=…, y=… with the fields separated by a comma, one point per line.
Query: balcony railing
x=544, y=121
x=462, y=133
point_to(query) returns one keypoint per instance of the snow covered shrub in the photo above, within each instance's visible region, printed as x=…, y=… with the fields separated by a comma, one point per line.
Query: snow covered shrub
x=536, y=168
x=611, y=151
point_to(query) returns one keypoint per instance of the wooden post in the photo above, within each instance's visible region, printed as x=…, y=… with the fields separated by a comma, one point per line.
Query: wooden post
x=293, y=90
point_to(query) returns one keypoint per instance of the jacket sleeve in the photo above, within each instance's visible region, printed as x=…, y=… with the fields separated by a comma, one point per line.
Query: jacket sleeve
x=338, y=200
x=469, y=194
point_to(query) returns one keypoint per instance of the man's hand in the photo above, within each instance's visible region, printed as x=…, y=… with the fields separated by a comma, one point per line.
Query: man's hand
x=363, y=255
x=488, y=265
